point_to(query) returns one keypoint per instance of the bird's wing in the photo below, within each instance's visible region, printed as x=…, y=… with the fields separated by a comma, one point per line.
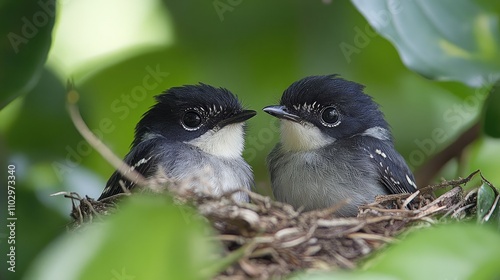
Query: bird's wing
x=141, y=159
x=394, y=174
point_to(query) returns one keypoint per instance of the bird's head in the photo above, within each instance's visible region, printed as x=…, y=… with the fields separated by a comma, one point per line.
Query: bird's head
x=209, y=118
x=318, y=110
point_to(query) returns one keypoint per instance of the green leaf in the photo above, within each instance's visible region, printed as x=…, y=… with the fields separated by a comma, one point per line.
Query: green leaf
x=148, y=238
x=492, y=112
x=454, y=251
x=44, y=104
x=26, y=33
x=488, y=205
x=444, y=40
x=485, y=199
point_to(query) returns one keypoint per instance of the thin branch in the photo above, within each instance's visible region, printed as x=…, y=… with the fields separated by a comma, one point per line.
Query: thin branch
x=432, y=167
x=124, y=169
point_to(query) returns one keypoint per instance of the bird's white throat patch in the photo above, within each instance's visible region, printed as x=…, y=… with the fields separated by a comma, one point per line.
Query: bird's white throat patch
x=302, y=136
x=227, y=142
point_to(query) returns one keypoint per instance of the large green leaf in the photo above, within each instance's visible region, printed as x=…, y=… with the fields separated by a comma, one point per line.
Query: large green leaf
x=443, y=40
x=26, y=36
x=149, y=238
x=455, y=251
x=43, y=105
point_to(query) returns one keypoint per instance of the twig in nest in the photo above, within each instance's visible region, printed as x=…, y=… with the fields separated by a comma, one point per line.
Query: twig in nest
x=451, y=183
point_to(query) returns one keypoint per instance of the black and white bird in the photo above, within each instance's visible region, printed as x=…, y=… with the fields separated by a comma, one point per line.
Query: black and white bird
x=336, y=147
x=193, y=136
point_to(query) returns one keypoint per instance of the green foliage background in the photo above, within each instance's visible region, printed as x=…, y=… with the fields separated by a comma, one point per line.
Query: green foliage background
x=254, y=48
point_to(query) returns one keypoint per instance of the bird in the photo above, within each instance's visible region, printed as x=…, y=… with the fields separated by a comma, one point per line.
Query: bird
x=193, y=136
x=336, y=148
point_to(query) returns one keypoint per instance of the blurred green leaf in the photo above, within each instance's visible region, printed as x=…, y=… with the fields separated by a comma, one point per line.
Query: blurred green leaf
x=149, y=238
x=454, y=251
x=26, y=33
x=484, y=156
x=118, y=30
x=492, y=112
x=489, y=5
x=443, y=40
x=43, y=115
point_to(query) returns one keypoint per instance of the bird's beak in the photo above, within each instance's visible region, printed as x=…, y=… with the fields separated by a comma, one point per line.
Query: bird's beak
x=237, y=118
x=282, y=113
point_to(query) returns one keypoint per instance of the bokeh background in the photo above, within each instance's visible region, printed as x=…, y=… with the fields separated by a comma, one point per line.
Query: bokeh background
x=120, y=54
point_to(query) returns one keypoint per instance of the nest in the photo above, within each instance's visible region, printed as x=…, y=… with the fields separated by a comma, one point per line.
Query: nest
x=272, y=239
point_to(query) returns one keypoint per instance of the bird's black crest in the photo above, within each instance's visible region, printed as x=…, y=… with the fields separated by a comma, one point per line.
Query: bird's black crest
x=201, y=95
x=327, y=90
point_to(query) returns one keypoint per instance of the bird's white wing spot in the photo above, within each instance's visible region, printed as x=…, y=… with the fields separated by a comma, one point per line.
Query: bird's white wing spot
x=379, y=152
x=394, y=181
x=140, y=162
x=411, y=182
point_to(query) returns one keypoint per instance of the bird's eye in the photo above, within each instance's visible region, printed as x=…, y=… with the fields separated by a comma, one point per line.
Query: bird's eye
x=330, y=116
x=191, y=120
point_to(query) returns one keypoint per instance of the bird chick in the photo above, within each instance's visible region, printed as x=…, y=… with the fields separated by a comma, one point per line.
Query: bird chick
x=192, y=136
x=336, y=147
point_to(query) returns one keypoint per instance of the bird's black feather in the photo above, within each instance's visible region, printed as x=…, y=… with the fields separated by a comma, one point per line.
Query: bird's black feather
x=143, y=159
x=392, y=170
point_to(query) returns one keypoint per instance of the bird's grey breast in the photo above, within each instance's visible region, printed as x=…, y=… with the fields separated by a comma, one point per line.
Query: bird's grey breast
x=321, y=178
